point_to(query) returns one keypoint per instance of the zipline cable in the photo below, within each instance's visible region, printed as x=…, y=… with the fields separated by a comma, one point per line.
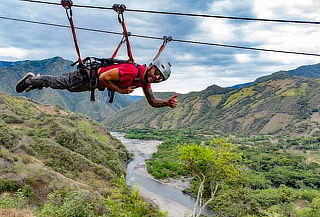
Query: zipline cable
x=161, y=38
x=188, y=14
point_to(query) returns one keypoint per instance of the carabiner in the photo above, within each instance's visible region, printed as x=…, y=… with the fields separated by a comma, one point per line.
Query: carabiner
x=166, y=39
x=119, y=8
x=67, y=4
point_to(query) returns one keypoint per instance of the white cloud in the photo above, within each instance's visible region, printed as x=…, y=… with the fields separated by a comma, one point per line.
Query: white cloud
x=13, y=52
x=243, y=58
x=287, y=9
x=186, y=56
x=217, y=31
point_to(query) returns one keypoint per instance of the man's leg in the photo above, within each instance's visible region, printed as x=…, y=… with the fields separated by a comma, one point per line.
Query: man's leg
x=72, y=81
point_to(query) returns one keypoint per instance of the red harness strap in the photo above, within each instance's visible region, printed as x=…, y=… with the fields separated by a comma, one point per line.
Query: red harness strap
x=166, y=39
x=67, y=4
x=120, y=9
x=123, y=40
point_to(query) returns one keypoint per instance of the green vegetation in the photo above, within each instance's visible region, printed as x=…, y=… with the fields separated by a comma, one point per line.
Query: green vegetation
x=296, y=91
x=278, y=178
x=124, y=202
x=211, y=167
x=239, y=95
x=79, y=203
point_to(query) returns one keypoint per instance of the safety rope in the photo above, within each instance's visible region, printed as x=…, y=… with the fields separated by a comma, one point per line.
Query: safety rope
x=166, y=39
x=120, y=9
x=67, y=4
x=123, y=40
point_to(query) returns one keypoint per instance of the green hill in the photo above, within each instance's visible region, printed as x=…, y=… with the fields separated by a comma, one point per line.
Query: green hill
x=11, y=72
x=282, y=104
x=57, y=163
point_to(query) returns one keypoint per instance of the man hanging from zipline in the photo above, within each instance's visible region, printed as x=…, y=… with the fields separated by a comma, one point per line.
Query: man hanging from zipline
x=115, y=75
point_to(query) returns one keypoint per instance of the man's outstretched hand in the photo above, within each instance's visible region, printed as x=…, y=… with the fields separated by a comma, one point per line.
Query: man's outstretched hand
x=128, y=90
x=172, y=101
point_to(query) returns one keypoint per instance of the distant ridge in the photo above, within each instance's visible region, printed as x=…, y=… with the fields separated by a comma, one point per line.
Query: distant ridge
x=307, y=71
x=284, y=103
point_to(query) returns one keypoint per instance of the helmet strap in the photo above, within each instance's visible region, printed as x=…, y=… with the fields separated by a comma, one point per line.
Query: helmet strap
x=147, y=74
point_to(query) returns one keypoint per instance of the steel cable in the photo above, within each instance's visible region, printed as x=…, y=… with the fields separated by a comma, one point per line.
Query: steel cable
x=186, y=14
x=161, y=38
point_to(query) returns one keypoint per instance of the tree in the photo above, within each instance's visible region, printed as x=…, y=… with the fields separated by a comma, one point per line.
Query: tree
x=211, y=166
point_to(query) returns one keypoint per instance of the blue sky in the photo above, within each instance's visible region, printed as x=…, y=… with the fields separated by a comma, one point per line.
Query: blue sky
x=194, y=66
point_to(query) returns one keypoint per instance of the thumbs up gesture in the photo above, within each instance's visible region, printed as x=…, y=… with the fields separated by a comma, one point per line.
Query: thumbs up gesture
x=172, y=101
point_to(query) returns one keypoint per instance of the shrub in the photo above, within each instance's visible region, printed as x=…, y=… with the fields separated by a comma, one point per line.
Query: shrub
x=63, y=204
x=125, y=202
x=8, y=185
x=7, y=137
x=27, y=191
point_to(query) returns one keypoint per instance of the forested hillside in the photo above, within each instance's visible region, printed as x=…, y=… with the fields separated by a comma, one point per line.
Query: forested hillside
x=57, y=163
x=11, y=72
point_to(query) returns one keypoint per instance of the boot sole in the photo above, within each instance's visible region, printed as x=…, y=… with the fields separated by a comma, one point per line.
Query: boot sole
x=19, y=83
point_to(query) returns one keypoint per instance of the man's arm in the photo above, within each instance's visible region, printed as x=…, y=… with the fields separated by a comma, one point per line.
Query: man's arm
x=111, y=75
x=156, y=102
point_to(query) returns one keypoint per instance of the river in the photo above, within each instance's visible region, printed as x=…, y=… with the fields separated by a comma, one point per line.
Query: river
x=168, y=198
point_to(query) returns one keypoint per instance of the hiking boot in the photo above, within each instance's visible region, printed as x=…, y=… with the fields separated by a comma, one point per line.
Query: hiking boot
x=22, y=85
x=38, y=87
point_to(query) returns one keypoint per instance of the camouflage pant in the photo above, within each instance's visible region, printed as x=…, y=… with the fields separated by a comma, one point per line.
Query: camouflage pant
x=71, y=81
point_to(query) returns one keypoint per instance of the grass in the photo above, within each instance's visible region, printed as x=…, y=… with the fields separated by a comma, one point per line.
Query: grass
x=11, y=212
x=238, y=96
x=92, y=131
x=296, y=91
x=214, y=100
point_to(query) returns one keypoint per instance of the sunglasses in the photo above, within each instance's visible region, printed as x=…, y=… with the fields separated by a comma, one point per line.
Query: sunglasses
x=157, y=72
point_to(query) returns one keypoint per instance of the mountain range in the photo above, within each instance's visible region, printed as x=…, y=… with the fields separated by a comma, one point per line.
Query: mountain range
x=285, y=102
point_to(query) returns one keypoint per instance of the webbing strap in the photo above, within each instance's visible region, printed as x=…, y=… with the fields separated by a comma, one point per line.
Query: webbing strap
x=111, y=95
x=166, y=39
x=127, y=39
x=123, y=40
x=67, y=4
x=120, y=9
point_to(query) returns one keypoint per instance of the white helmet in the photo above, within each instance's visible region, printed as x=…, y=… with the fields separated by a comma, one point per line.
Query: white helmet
x=163, y=66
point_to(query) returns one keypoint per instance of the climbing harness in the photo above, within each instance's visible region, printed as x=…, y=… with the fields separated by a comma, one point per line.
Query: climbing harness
x=89, y=66
x=89, y=70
